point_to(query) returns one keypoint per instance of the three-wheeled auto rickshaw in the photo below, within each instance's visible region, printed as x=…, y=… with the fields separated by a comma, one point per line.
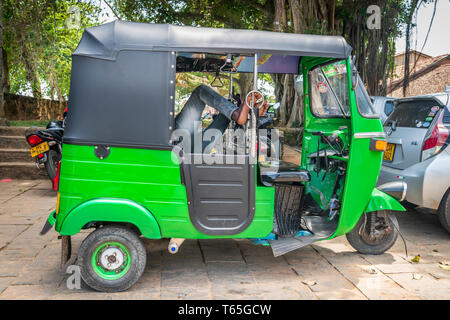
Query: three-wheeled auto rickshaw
x=120, y=174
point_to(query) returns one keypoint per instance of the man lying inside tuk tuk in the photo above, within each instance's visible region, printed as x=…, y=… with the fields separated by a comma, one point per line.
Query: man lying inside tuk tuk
x=134, y=167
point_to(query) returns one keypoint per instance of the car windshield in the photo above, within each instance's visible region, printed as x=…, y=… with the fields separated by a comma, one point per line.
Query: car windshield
x=414, y=113
x=329, y=90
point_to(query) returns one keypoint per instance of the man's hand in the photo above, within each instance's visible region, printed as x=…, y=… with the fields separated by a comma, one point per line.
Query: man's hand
x=263, y=108
x=256, y=97
x=241, y=115
x=258, y=102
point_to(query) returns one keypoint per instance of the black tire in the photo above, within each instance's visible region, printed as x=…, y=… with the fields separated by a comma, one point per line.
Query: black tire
x=51, y=165
x=444, y=211
x=97, y=239
x=364, y=246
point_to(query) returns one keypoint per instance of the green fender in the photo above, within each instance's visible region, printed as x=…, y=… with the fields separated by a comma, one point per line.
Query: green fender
x=111, y=210
x=382, y=201
x=378, y=201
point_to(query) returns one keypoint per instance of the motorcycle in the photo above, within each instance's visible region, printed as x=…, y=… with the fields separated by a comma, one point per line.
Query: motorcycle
x=46, y=147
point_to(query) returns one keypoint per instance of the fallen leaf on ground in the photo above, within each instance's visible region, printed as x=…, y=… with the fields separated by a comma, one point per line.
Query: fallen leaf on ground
x=435, y=250
x=416, y=258
x=370, y=270
x=417, y=276
x=444, y=265
x=309, y=282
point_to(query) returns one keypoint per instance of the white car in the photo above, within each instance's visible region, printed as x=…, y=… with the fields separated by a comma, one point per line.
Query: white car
x=418, y=153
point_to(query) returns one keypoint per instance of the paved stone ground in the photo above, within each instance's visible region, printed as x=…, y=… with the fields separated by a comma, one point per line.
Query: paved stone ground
x=223, y=269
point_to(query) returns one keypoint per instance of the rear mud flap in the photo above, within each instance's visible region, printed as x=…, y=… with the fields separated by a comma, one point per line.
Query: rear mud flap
x=49, y=223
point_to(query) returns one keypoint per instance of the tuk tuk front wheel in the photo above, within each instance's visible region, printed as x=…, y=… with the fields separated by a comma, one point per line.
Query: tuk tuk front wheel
x=111, y=259
x=374, y=234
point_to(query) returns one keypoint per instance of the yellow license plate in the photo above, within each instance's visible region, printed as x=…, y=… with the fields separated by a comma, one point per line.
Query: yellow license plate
x=39, y=149
x=389, y=153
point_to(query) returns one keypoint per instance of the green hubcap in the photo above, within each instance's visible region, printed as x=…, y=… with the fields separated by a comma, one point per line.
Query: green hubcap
x=111, y=260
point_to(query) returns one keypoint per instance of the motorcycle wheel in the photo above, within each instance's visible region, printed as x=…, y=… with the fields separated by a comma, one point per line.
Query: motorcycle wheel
x=51, y=165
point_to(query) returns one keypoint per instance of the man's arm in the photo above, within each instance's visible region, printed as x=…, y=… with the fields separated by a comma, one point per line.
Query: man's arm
x=240, y=115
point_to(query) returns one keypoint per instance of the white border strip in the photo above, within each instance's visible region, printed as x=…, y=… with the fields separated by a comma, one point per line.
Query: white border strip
x=363, y=135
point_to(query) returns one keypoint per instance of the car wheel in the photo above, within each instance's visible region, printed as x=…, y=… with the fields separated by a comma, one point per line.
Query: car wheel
x=361, y=240
x=444, y=211
x=111, y=259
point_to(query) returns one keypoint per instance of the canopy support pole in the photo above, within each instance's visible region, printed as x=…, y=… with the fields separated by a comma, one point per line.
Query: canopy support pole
x=253, y=151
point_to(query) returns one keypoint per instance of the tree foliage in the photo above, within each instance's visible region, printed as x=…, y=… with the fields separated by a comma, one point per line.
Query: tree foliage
x=38, y=41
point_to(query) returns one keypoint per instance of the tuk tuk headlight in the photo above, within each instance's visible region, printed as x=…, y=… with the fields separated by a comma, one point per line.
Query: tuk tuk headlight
x=396, y=189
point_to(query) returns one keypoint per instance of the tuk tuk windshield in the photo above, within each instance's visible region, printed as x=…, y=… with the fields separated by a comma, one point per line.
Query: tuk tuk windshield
x=329, y=90
x=363, y=101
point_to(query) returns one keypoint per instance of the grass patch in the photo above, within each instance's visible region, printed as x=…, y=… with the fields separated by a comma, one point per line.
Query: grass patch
x=28, y=123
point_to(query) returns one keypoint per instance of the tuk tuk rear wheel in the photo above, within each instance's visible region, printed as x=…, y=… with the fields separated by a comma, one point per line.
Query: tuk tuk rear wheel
x=111, y=259
x=360, y=240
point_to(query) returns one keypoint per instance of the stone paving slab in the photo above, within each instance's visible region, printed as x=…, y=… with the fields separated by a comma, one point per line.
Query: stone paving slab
x=222, y=269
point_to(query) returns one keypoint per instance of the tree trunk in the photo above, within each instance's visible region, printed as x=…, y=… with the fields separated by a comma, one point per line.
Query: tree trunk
x=245, y=83
x=279, y=22
x=5, y=72
x=295, y=112
x=287, y=101
x=2, y=103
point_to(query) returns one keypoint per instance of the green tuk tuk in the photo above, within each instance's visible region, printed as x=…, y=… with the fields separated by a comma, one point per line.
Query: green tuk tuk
x=122, y=174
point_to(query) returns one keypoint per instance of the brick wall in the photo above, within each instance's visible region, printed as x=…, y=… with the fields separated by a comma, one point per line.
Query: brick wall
x=431, y=82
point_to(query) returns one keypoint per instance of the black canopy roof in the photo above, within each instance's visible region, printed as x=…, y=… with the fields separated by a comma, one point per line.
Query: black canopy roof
x=123, y=77
x=106, y=40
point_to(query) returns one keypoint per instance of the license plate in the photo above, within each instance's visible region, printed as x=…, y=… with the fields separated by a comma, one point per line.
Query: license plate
x=39, y=149
x=389, y=153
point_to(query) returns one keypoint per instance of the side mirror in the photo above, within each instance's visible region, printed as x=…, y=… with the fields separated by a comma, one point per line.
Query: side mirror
x=276, y=106
x=354, y=74
x=354, y=79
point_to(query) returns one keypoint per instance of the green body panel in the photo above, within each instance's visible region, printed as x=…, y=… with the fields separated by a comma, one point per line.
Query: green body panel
x=382, y=201
x=111, y=210
x=150, y=178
